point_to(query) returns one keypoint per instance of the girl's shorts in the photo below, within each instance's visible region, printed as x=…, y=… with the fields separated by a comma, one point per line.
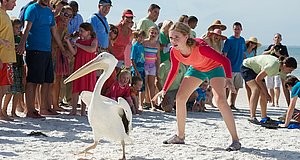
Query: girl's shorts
x=150, y=69
x=216, y=72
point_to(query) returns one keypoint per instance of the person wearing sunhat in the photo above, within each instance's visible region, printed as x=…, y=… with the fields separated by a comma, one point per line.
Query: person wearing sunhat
x=215, y=39
x=252, y=44
x=217, y=25
x=234, y=48
x=100, y=24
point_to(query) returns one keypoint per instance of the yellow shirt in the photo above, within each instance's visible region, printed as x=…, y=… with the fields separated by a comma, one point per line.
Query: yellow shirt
x=7, y=54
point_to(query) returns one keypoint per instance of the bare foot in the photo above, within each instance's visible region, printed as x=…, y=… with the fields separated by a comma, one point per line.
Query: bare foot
x=59, y=109
x=6, y=118
x=14, y=115
x=34, y=114
x=73, y=112
x=48, y=112
x=153, y=109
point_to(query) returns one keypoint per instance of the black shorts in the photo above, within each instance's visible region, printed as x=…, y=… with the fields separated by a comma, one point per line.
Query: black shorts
x=248, y=74
x=40, y=67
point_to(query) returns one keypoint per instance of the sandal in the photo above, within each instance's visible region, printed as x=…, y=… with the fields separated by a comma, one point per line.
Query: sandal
x=235, y=146
x=174, y=140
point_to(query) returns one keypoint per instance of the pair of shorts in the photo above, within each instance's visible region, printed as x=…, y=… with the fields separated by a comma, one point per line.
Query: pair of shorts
x=237, y=79
x=150, y=69
x=248, y=74
x=6, y=75
x=216, y=72
x=40, y=67
x=17, y=86
x=273, y=82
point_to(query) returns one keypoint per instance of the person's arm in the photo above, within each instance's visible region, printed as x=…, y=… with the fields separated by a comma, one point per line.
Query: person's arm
x=57, y=39
x=269, y=49
x=70, y=46
x=259, y=80
x=290, y=111
x=173, y=72
x=92, y=48
x=21, y=46
x=286, y=92
x=157, y=62
x=132, y=57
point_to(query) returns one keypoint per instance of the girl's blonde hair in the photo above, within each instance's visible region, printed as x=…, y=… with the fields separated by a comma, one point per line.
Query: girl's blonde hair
x=185, y=30
x=124, y=71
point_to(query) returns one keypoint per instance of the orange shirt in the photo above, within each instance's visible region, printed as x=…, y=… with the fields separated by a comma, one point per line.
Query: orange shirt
x=203, y=58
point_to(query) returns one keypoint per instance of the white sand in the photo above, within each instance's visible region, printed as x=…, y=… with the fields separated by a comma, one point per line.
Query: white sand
x=206, y=138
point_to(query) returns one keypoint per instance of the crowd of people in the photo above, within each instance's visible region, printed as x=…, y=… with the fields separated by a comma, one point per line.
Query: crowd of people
x=160, y=66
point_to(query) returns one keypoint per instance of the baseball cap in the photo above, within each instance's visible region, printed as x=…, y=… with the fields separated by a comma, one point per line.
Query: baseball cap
x=105, y=2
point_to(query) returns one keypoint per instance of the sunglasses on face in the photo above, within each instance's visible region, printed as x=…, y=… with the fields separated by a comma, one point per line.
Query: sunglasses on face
x=68, y=15
x=114, y=31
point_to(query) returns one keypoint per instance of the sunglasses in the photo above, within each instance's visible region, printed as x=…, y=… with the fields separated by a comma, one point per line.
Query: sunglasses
x=68, y=15
x=114, y=31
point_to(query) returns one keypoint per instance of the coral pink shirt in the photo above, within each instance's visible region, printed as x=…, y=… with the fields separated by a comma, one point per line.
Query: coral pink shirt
x=203, y=58
x=121, y=42
x=116, y=91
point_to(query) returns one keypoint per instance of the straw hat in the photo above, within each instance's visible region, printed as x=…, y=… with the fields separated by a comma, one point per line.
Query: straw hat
x=217, y=24
x=217, y=32
x=253, y=40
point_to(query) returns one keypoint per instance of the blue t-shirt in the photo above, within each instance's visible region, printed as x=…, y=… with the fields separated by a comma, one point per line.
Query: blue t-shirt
x=137, y=55
x=201, y=94
x=74, y=23
x=235, y=48
x=100, y=30
x=42, y=19
x=296, y=90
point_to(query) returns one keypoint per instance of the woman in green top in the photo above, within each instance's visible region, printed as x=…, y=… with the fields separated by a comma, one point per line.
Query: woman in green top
x=254, y=70
x=164, y=41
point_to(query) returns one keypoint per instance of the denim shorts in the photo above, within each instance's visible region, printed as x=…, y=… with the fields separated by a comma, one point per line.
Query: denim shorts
x=40, y=67
x=216, y=72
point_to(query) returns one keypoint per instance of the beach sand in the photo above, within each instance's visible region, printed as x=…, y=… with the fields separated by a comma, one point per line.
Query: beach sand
x=206, y=138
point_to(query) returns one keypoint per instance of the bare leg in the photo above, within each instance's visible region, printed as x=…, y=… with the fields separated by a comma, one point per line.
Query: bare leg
x=123, y=149
x=3, y=111
x=46, y=103
x=187, y=87
x=272, y=96
x=7, y=99
x=248, y=92
x=233, y=97
x=151, y=87
x=16, y=101
x=75, y=97
x=30, y=98
x=263, y=105
x=217, y=85
x=255, y=91
x=277, y=94
x=55, y=93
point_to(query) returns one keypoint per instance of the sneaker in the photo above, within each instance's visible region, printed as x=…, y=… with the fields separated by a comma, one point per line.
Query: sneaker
x=235, y=146
x=174, y=140
x=253, y=120
x=265, y=120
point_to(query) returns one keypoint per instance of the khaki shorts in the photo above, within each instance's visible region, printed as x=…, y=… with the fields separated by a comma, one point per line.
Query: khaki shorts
x=237, y=80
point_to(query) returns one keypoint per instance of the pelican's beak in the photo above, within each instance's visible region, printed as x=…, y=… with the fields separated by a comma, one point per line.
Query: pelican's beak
x=89, y=67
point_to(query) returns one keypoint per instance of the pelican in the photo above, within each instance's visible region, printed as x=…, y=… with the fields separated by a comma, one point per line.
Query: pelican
x=107, y=117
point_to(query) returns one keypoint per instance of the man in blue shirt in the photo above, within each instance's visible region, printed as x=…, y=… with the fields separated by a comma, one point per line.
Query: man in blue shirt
x=39, y=27
x=100, y=24
x=234, y=49
x=23, y=9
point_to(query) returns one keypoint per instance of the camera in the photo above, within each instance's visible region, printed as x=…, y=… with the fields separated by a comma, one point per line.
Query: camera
x=277, y=48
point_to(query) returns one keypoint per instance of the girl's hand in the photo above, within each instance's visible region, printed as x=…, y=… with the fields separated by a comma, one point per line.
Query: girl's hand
x=67, y=38
x=229, y=85
x=162, y=94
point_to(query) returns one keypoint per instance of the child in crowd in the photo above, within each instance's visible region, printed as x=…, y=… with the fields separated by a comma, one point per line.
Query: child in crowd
x=120, y=88
x=293, y=84
x=17, y=89
x=113, y=34
x=135, y=87
x=84, y=51
x=138, y=61
x=199, y=104
x=152, y=61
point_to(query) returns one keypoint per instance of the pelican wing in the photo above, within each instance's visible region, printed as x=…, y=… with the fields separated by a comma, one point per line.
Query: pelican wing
x=86, y=97
x=126, y=115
